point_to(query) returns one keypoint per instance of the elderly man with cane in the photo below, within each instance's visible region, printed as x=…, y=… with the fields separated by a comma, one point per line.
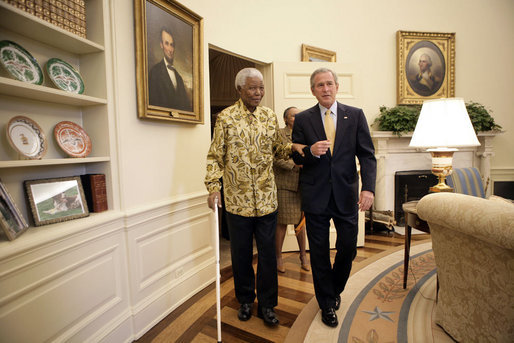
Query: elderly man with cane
x=245, y=141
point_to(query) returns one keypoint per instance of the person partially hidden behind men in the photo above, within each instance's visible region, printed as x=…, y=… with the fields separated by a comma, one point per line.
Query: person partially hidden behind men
x=246, y=139
x=289, y=200
x=329, y=185
x=165, y=85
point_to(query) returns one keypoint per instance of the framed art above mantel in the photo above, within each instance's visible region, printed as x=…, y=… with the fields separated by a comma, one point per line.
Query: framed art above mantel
x=425, y=66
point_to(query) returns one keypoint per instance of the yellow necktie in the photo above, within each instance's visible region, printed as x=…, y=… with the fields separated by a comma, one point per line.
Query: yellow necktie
x=330, y=130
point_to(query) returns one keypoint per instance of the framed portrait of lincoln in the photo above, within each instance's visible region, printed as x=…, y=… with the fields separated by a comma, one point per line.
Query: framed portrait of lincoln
x=168, y=61
x=425, y=65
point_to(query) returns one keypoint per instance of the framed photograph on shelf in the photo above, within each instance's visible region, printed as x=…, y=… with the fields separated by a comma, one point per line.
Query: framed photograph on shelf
x=169, y=72
x=313, y=54
x=11, y=219
x=425, y=66
x=56, y=200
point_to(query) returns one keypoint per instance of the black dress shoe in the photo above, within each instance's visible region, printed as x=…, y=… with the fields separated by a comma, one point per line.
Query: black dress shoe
x=268, y=315
x=338, y=302
x=329, y=317
x=245, y=312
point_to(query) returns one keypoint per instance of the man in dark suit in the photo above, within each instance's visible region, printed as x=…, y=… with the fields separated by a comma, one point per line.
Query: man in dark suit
x=165, y=85
x=334, y=134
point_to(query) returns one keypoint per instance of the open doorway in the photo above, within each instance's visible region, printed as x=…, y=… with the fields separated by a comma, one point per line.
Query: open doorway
x=223, y=67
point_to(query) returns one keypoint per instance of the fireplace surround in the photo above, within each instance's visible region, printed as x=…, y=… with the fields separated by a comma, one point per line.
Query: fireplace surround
x=394, y=155
x=408, y=186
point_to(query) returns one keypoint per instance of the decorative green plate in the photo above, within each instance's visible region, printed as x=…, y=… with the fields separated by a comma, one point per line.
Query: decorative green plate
x=20, y=63
x=64, y=76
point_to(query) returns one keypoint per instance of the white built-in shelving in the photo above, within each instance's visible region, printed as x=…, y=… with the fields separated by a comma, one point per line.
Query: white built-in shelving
x=48, y=105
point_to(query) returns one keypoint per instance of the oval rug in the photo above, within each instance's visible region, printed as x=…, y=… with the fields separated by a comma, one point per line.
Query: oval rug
x=376, y=308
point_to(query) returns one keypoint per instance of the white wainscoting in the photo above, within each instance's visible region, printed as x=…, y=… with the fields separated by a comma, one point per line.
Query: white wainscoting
x=106, y=278
x=64, y=287
x=171, y=257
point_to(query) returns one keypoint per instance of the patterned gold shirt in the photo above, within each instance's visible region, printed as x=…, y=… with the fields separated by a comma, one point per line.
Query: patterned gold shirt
x=242, y=151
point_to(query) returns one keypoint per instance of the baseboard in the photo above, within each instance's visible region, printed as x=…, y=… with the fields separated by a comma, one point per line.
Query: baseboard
x=160, y=304
x=118, y=330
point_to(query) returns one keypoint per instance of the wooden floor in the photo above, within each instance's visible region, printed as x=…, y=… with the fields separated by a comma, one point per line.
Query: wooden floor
x=195, y=320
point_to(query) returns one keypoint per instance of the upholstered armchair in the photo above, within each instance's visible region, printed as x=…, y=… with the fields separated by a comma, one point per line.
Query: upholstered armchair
x=473, y=244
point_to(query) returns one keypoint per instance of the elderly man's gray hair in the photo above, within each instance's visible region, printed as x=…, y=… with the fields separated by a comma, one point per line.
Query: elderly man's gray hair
x=319, y=71
x=246, y=73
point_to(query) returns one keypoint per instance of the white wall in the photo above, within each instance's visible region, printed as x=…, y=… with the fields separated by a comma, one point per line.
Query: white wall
x=161, y=160
x=158, y=160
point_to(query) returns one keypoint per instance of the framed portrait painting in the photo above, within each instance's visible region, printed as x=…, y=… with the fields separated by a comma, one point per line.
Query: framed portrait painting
x=169, y=59
x=11, y=219
x=425, y=65
x=56, y=200
x=313, y=54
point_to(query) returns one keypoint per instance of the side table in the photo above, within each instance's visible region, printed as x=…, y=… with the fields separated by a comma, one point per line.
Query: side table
x=411, y=221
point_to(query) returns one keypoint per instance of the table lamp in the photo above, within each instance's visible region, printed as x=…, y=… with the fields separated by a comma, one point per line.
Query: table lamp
x=443, y=125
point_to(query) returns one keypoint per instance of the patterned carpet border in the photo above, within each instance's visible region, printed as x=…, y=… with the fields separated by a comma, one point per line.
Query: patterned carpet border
x=404, y=312
x=310, y=314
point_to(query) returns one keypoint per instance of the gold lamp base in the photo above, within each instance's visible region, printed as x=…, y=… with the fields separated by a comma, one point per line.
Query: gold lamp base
x=441, y=186
x=441, y=167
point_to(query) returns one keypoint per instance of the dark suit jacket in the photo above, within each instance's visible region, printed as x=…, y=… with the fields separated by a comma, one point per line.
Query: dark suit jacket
x=161, y=91
x=338, y=173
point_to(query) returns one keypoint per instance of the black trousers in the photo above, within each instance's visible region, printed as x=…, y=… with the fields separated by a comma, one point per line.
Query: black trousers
x=242, y=230
x=329, y=280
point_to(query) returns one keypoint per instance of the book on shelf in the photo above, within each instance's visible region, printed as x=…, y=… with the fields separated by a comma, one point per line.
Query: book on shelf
x=95, y=191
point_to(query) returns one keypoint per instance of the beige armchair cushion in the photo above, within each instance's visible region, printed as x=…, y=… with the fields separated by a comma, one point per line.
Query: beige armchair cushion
x=473, y=243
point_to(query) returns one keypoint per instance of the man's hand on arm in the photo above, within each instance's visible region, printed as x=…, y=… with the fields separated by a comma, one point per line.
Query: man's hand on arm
x=298, y=148
x=211, y=200
x=365, y=200
x=320, y=148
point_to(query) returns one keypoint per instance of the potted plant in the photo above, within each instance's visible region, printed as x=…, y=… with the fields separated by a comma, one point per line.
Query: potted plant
x=481, y=117
x=398, y=119
x=403, y=118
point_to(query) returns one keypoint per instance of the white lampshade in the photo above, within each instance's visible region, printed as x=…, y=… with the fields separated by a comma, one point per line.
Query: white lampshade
x=444, y=123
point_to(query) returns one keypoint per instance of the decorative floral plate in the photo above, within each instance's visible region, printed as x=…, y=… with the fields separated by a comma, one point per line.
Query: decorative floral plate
x=26, y=137
x=20, y=63
x=72, y=139
x=64, y=76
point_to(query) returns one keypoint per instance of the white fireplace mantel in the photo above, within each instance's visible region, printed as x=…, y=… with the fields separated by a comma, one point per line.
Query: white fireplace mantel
x=394, y=154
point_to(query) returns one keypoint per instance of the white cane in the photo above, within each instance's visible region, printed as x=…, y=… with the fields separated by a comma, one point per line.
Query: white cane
x=218, y=274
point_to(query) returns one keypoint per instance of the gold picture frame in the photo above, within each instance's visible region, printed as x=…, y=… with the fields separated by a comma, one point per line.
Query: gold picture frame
x=56, y=200
x=313, y=54
x=169, y=55
x=425, y=66
x=11, y=219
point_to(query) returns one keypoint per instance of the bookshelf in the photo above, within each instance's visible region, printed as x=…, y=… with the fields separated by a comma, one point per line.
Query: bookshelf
x=48, y=105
